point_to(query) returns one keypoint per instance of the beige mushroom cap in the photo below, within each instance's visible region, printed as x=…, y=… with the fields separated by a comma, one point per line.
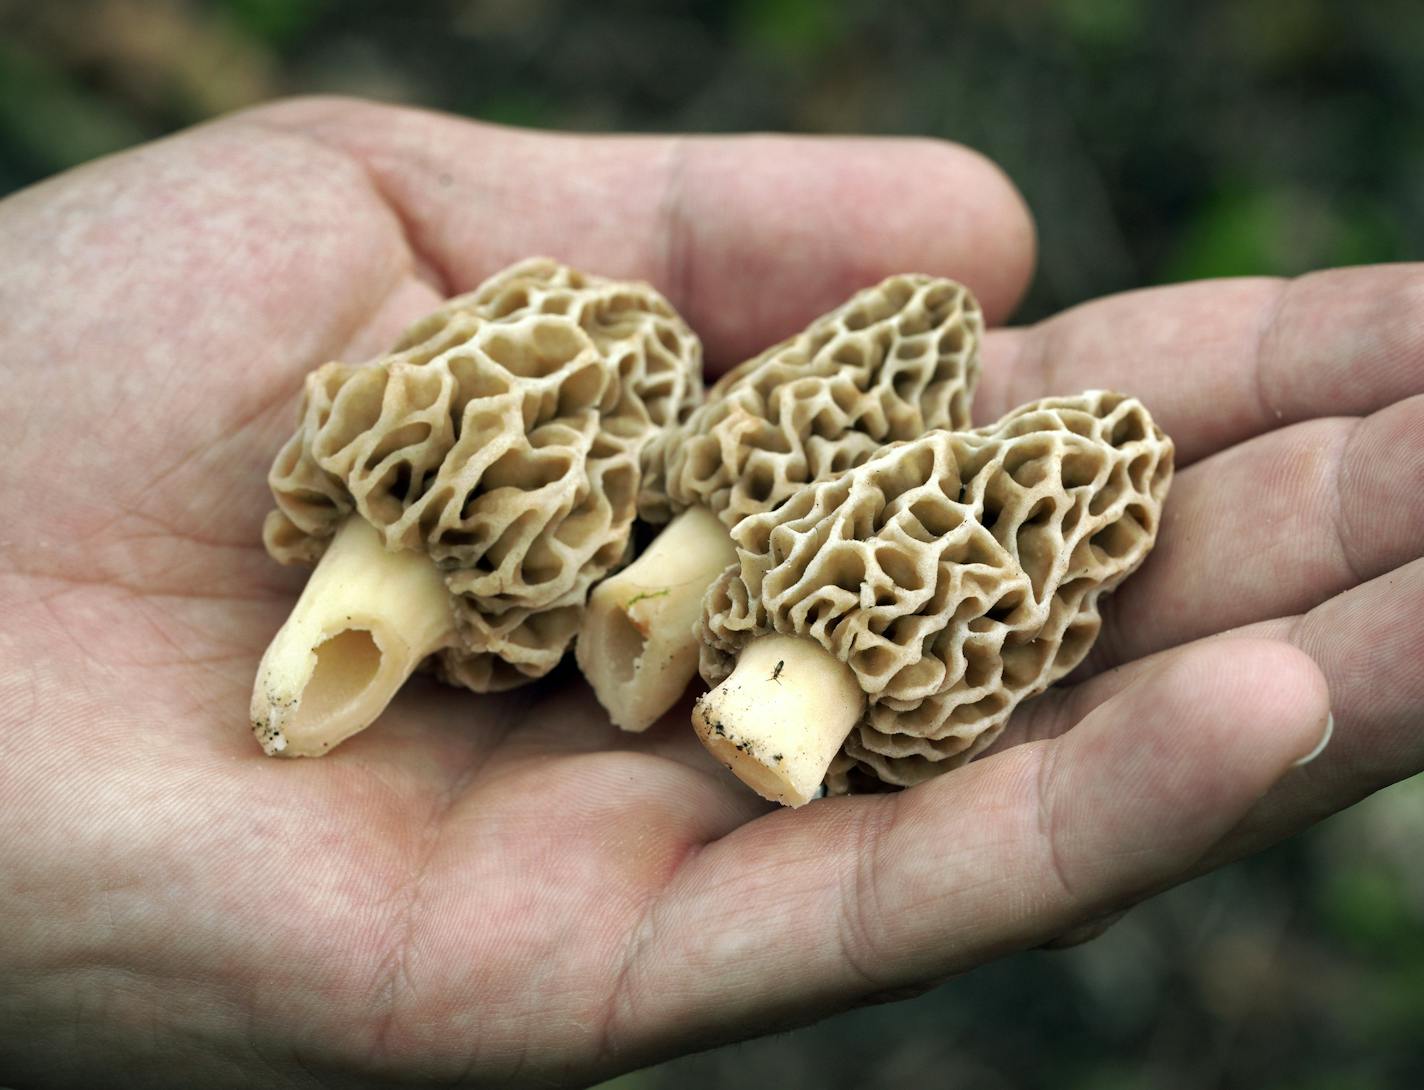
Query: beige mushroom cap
x=502, y=436
x=892, y=362
x=956, y=575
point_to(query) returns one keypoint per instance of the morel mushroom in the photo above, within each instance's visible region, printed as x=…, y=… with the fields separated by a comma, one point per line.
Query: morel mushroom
x=879, y=627
x=462, y=493
x=895, y=360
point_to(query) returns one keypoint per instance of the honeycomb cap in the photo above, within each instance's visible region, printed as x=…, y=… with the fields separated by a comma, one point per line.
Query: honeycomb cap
x=892, y=362
x=956, y=574
x=502, y=435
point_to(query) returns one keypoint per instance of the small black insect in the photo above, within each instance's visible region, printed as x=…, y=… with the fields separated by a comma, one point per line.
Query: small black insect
x=776, y=672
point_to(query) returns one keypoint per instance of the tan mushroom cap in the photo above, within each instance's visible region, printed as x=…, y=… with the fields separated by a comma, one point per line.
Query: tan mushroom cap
x=955, y=575
x=502, y=436
x=892, y=362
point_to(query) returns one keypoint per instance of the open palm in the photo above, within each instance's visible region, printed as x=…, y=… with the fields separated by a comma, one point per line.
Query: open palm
x=496, y=889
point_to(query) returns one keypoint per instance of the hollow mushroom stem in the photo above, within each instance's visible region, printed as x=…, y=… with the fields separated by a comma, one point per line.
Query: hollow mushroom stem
x=638, y=648
x=781, y=716
x=365, y=620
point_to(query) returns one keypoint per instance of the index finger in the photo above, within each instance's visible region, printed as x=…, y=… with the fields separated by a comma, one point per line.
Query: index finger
x=1220, y=361
x=749, y=236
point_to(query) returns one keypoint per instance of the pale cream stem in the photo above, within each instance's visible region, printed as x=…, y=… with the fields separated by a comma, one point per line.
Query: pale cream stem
x=637, y=646
x=781, y=716
x=365, y=620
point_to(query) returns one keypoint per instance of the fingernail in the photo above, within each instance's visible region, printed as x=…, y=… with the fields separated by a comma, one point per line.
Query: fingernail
x=1320, y=745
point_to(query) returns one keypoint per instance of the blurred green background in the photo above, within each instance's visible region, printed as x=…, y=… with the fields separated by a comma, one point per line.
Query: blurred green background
x=1155, y=142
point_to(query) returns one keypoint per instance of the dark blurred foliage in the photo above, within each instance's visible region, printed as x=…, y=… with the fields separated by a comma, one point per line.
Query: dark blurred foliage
x=1155, y=142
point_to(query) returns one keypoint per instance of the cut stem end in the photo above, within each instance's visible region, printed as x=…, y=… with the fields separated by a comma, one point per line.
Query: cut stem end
x=365, y=620
x=781, y=717
x=638, y=647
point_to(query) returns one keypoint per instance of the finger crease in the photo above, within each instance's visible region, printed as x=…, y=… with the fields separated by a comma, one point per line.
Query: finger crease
x=1341, y=518
x=1048, y=827
x=1266, y=334
x=862, y=899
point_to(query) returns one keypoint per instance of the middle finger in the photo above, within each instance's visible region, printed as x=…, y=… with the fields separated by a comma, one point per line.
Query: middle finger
x=1221, y=361
x=1272, y=528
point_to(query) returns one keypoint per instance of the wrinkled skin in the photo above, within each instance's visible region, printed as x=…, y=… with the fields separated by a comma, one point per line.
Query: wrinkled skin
x=504, y=890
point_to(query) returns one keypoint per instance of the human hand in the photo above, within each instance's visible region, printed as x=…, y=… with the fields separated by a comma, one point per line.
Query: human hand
x=1296, y=516
x=503, y=889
